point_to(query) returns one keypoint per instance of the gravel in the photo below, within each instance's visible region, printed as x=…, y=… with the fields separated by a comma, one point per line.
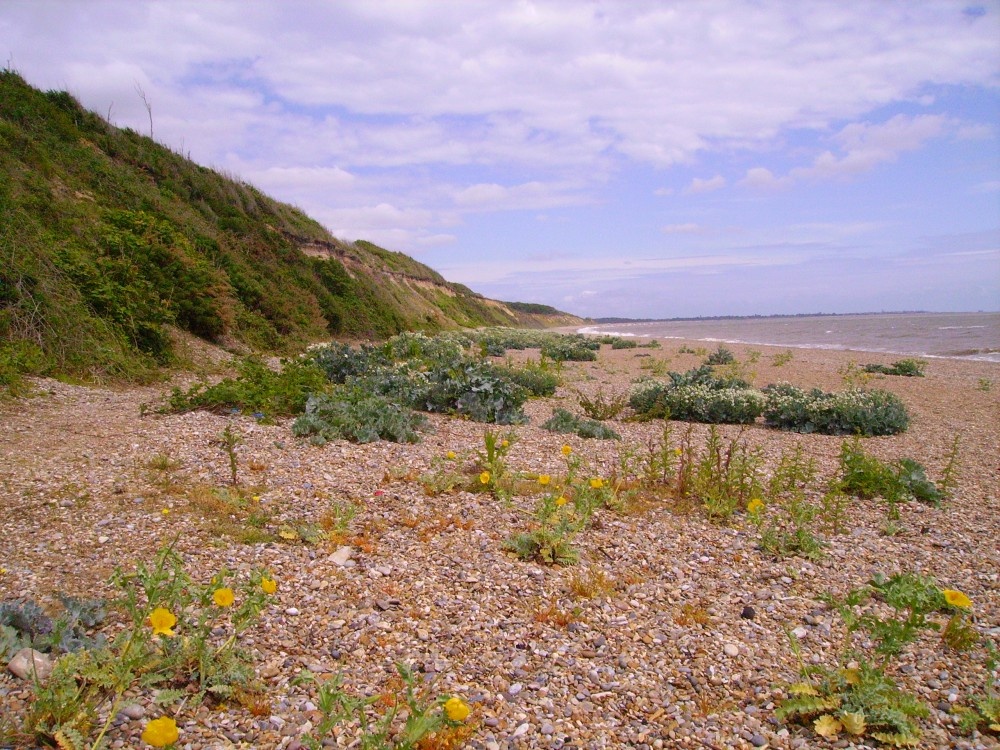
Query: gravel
x=687, y=648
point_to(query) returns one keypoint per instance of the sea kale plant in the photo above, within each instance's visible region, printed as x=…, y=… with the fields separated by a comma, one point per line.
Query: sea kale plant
x=851, y=412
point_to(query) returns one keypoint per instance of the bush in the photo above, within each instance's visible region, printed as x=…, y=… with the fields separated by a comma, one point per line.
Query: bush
x=911, y=368
x=697, y=396
x=701, y=403
x=355, y=415
x=720, y=356
x=571, y=349
x=537, y=380
x=564, y=422
x=850, y=412
x=256, y=388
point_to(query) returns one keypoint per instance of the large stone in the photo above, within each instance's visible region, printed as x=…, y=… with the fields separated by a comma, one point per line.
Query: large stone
x=341, y=556
x=29, y=664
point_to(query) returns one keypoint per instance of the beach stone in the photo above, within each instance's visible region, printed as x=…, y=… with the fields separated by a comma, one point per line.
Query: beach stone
x=341, y=556
x=758, y=740
x=133, y=711
x=748, y=613
x=731, y=649
x=30, y=664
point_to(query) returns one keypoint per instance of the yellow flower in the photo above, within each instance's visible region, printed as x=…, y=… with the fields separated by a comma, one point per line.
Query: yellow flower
x=450, y=455
x=505, y=444
x=161, y=732
x=484, y=478
x=223, y=597
x=456, y=709
x=566, y=450
x=544, y=479
x=561, y=501
x=957, y=598
x=596, y=483
x=677, y=451
x=165, y=511
x=269, y=585
x=162, y=621
x=755, y=505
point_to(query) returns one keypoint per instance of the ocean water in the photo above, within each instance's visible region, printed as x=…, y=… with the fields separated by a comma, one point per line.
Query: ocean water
x=963, y=335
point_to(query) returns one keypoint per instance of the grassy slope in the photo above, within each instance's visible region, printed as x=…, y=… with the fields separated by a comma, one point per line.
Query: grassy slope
x=108, y=239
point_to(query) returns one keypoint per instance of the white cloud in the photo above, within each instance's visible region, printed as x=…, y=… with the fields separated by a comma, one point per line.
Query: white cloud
x=700, y=185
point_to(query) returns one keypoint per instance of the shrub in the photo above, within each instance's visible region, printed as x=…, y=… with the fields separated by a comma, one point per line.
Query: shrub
x=535, y=378
x=601, y=407
x=571, y=349
x=256, y=388
x=701, y=403
x=720, y=356
x=564, y=422
x=911, y=368
x=850, y=412
x=352, y=414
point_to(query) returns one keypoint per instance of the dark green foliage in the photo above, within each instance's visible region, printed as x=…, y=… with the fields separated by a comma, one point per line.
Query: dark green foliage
x=256, y=389
x=850, y=412
x=571, y=349
x=697, y=395
x=866, y=476
x=24, y=624
x=536, y=379
x=911, y=368
x=478, y=391
x=565, y=422
x=352, y=414
x=720, y=356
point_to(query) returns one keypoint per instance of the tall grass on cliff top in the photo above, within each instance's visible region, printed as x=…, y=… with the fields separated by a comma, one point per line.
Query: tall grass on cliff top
x=109, y=241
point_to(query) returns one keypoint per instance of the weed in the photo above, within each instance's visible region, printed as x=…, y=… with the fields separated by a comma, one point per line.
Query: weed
x=565, y=422
x=592, y=583
x=723, y=476
x=148, y=654
x=984, y=384
x=429, y=724
x=782, y=358
x=601, y=407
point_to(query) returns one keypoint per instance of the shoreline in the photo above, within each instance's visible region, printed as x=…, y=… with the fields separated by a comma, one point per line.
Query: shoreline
x=661, y=659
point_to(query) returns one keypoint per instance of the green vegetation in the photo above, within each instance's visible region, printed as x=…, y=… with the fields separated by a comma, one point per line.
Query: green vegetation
x=565, y=422
x=910, y=368
x=857, y=698
x=852, y=412
x=110, y=242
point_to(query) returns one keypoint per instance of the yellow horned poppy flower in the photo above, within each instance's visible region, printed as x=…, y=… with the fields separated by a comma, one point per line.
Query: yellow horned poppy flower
x=450, y=455
x=957, y=598
x=162, y=621
x=561, y=501
x=161, y=732
x=755, y=505
x=269, y=585
x=223, y=597
x=456, y=709
x=596, y=483
x=566, y=450
x=505, y=444
x=544, y=479
x=484, y=478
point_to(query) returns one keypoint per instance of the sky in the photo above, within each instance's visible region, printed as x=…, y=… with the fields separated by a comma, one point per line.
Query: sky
x=635, y=158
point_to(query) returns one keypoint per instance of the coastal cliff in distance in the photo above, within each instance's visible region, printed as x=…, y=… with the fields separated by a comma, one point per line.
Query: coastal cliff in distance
x=111, y=243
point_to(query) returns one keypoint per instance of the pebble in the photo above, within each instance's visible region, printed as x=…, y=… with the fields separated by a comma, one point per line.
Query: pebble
x=731, y=649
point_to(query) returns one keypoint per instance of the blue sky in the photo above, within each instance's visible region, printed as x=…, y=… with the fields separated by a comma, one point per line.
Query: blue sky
x=645, y=158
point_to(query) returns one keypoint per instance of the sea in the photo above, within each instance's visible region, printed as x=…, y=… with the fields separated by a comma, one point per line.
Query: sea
x=924, y=334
